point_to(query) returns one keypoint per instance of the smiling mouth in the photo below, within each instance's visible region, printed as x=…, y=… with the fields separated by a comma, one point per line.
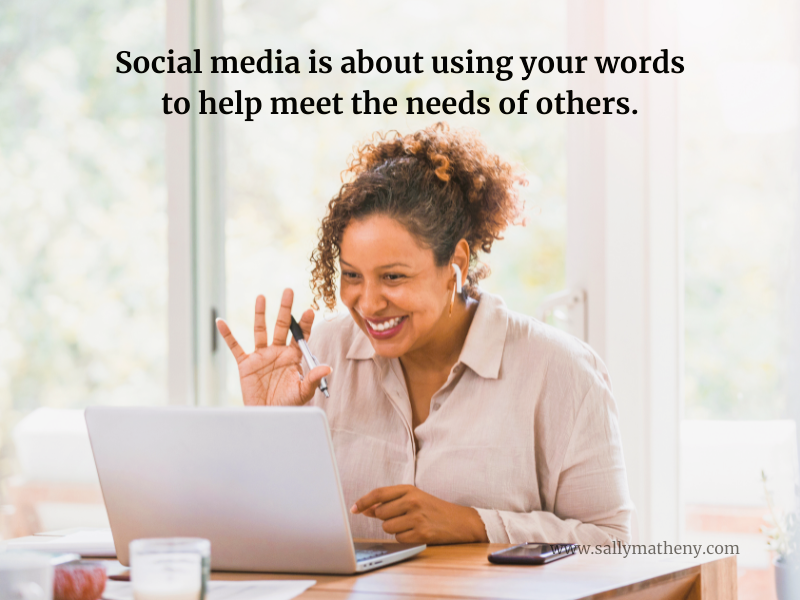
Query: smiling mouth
x=385, y=327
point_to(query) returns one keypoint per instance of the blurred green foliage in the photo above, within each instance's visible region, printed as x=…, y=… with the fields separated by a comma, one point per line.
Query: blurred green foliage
x=83, y=208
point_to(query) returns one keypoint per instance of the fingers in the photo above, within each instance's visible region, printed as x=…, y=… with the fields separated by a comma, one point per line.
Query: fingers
x=379, y=495
x=399, y=524
x=317, y=373
x=226, y=334
x=390, y=510
x=412, y=536
x=310, y=383
x=306, y=321
x=260, y=328
x=370, y=512
x=284, y=318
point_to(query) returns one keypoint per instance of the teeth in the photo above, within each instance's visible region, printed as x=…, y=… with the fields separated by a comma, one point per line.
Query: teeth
x=386, y=324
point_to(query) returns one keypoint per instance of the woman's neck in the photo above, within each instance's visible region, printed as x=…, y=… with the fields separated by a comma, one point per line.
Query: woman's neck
x=444, y=347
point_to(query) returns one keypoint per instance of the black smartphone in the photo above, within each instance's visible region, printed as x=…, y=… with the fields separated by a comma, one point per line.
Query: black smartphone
x=532, y=553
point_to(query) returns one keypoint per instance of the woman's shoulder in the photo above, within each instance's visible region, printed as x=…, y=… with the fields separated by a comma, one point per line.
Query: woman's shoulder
x=561, y=353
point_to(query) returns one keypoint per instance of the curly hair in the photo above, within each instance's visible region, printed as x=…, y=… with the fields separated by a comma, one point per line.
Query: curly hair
x=442, y=185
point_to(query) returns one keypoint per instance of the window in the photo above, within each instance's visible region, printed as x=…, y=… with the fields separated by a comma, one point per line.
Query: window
x=82, y=221
x=738, y=157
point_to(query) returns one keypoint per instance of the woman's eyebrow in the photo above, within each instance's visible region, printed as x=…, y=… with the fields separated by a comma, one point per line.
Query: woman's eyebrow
x=395, y=264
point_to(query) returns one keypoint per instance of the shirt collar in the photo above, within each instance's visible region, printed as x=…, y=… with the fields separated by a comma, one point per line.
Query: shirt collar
x=360, y=349
x=483, y=348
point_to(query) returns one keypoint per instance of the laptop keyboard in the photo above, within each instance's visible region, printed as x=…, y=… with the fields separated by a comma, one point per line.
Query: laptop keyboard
x=362, y=555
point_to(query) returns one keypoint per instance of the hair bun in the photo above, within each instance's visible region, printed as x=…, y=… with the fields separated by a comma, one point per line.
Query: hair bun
x=443, y=185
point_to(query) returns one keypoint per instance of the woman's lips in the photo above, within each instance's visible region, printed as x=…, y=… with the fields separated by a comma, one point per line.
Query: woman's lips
x=389, y=327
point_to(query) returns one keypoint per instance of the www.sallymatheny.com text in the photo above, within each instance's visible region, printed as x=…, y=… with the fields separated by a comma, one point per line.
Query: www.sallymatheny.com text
x=662, y=548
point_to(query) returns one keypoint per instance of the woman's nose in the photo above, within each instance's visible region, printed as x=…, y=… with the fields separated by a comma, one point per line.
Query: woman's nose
x=372, y=300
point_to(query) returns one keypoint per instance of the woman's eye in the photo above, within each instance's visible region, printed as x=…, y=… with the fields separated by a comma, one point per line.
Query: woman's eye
x=394, y=276
x=349, y=275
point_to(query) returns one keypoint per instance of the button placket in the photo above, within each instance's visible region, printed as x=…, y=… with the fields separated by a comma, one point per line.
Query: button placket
x=437, y=399
x=393, y=388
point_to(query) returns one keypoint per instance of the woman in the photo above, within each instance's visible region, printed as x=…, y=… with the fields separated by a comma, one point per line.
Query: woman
x=453, y=419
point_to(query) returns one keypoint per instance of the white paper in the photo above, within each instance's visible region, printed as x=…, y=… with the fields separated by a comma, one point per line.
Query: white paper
x=284, y=589
x=88, y=542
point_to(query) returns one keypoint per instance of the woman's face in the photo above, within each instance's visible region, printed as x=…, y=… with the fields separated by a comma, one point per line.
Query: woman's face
x=391, y=285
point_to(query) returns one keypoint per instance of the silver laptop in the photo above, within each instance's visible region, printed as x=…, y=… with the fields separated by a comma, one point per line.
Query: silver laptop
x=260, y=483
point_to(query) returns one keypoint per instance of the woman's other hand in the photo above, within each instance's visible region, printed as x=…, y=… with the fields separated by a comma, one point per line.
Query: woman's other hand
x=272, y=375
x=415, y=517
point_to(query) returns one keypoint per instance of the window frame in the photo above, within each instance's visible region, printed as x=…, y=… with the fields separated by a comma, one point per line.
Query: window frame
x=196, y=215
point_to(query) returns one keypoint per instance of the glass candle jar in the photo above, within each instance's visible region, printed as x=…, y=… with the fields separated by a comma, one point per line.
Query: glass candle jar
x=170, y=568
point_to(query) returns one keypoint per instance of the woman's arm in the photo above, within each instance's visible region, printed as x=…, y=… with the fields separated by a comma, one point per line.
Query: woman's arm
x=416, y=517
x=590, y=503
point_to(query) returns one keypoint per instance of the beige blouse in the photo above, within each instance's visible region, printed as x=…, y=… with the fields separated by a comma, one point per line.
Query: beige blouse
x=524, y=430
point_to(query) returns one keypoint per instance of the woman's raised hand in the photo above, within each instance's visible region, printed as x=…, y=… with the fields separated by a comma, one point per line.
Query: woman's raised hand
x=271, y=374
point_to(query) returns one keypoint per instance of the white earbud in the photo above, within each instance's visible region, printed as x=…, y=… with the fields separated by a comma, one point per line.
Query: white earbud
x=457, y=269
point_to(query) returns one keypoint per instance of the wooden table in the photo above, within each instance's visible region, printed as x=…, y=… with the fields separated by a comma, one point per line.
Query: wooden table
x=462, y=571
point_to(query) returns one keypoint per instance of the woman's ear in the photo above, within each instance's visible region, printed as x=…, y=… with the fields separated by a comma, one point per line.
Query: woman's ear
x=461, y=259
